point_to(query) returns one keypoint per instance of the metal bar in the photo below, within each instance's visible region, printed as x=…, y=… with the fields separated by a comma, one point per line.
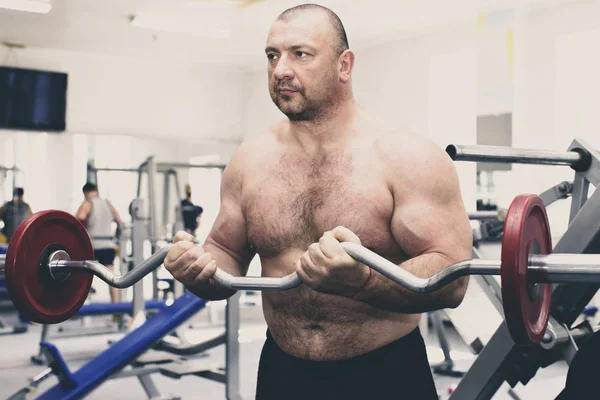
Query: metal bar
x=580, y=192
x=556, y=192
x=411, y=282
x=166, y=192
x=232, y=348
x=490, y=286
x=111, y=169
x=91, y=175
x=583, y=236
x=216, y=377
x=151, y=169
x=557, y=334
x=186, y=165
x=139, y=231
x=135, y=372
x=149, y=386
x=193, y=349
x=438, y=325
x=510, y=155
x=564, y=268
x=139, y=184
x=543, y=268
x=592, y=174
x=178, y=226
x=484, y=378
x=119, y=281
x=481, y=215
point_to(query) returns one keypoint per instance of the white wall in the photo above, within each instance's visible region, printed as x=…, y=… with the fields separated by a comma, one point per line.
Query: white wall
x=119, y=112
x=555, y=93
x=118, y=95
x=53, y=166
x=408, y=82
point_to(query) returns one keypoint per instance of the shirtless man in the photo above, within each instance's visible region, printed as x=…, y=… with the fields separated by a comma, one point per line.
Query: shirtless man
x=326, y=174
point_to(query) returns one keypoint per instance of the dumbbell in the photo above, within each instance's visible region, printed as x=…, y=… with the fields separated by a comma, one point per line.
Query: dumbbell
x=49, y=269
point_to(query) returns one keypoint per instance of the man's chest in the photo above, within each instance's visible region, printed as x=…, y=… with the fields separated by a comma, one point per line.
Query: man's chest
x=293, y=209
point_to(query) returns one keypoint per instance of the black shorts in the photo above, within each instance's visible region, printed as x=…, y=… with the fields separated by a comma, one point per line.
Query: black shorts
x=399, y=370
x=105, y=256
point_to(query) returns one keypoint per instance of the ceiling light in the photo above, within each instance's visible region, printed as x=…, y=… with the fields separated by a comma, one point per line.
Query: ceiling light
x=35, y=6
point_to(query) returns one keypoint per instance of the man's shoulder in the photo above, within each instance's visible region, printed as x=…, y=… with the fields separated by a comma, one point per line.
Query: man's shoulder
x=413, y=156
x=255, y=147
x=405, y=143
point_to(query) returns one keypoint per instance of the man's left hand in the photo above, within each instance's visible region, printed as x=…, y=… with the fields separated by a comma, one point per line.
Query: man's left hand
x=327, y=268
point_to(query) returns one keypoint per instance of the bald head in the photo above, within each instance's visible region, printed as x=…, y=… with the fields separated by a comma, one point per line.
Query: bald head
x=339, y=38
x=309, y=63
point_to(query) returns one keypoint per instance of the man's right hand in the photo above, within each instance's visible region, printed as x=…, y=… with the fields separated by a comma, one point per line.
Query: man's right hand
x=188, y=263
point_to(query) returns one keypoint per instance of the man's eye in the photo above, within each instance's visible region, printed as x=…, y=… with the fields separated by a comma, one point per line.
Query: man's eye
x=271, y=56
x=301, y=54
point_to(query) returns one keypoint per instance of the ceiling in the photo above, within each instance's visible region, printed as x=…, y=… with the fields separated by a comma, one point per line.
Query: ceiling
x=224, y=32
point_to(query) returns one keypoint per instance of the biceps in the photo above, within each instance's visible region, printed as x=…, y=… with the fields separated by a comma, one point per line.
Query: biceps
x=228, y=233
x=427, y=226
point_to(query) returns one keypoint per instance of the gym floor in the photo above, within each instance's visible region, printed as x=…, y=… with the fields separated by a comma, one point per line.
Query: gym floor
x=16, y=368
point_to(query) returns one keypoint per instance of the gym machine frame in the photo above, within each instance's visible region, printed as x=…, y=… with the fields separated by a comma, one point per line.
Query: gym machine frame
x=152, y=168
x=489, y=285
x=6, y=329
x=231, y=377
x=501, y=360
x=143, y=223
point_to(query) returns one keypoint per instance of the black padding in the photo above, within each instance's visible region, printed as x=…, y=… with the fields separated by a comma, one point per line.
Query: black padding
x=583, y=375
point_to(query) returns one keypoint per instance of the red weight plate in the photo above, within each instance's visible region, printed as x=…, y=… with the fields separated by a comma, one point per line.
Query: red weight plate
x=526, y=231
x=34, y=293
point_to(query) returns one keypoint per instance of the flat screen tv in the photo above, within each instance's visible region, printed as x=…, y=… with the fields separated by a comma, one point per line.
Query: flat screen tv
x=32, y=100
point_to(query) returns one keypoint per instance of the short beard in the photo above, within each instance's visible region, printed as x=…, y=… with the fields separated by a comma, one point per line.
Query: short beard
x=308, y=112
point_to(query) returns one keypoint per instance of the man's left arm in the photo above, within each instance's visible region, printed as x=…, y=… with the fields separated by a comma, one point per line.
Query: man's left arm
x=432, y=227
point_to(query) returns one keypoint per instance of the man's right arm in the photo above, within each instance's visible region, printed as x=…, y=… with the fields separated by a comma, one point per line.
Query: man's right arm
x=227, y=242
x=84, y=210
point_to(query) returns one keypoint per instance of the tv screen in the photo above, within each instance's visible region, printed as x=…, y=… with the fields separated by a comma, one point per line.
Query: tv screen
x=32, y=100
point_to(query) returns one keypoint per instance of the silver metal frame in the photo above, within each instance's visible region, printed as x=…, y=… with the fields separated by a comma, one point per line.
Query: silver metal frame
x=501, y=359
x=511, y=155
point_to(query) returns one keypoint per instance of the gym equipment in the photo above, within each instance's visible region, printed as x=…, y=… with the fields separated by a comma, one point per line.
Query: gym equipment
x=92, y=309
x=38, y=294
x=76, y=385
x=581, y=378
x=155, y=230
x=577, y=158
x=45, y=267
x=503, y=360
x=129, y=357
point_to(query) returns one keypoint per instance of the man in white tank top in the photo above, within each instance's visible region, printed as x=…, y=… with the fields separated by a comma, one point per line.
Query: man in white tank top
x=97, y=215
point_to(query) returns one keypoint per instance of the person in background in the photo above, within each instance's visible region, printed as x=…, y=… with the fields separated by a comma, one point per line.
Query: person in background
x=190, y=212
x=97, y=215
x=13, y=212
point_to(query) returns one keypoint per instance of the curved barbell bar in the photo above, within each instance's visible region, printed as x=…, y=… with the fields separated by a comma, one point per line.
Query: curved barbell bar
x=549, y=268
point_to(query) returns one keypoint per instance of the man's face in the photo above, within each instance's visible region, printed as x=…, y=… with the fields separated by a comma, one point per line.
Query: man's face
x=302, y=68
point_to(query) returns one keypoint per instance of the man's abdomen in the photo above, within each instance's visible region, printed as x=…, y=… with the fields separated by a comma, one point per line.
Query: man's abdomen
x=318, y=326
x=398, y=370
